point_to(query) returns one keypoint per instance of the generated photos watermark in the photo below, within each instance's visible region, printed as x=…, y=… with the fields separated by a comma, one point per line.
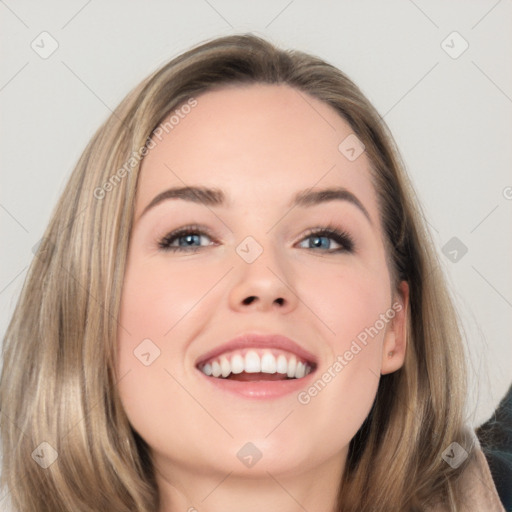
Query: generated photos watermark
x=172, y=121
x=342, y=360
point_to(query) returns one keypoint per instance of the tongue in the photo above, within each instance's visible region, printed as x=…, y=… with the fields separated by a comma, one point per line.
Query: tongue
x=257, y=376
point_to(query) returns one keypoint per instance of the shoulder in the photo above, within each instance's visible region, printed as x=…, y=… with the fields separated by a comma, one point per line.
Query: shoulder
x=479, y=486
x=476, y=485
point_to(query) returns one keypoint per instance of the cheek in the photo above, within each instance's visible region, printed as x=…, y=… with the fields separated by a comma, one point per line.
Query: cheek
x=352, y=305
x=350, y=302
x=159, y=307
x=156, y=297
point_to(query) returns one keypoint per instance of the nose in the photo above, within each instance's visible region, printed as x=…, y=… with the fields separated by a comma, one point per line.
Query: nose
x=263, y=285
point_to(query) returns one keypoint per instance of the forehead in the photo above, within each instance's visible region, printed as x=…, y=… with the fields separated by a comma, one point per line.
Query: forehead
x=258, y=143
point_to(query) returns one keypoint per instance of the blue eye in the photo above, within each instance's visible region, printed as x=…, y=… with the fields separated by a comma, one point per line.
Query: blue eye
x=320, y=239
x=188, y=239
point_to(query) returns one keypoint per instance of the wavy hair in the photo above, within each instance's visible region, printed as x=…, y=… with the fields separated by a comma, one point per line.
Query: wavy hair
x=58, y=383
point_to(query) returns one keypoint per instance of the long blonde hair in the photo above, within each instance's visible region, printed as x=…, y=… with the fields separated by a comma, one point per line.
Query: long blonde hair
x=58, y=384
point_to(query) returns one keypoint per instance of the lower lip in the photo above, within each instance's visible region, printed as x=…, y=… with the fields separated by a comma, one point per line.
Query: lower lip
x=260, y=390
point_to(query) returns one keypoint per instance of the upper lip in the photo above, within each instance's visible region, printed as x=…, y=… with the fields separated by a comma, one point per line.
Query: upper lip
x=252, y=340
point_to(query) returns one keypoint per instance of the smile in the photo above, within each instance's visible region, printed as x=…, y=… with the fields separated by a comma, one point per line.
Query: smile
x=257, y=364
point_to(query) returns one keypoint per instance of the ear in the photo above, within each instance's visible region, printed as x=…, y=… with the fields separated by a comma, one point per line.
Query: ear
x=395, y=339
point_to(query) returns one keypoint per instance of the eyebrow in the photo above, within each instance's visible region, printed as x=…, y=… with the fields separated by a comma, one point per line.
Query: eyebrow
x=216, y=197
x=308, y=198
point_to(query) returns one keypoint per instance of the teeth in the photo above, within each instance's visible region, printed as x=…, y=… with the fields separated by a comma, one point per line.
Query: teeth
x=237, y=364
x=300, y=371
x=216, y=369
x=292, y=365
x=268, y=363
x=225, y=366
x=253, y=363
x=282, y=364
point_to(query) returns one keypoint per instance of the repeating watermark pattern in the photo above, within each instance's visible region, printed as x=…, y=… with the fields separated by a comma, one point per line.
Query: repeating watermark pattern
x=304, y=397
x=136, y=156
x=147, y=352
x=351, y=147
x=454, y=455
x=175, y=118
x=454, y=45
x=122, y=172
x=249, y=455
x=43, y=248
x=45, y=455
x=249, y=249
x=454, y=249
x=45, y=45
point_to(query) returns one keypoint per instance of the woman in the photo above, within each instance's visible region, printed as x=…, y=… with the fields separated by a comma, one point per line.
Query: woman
x=236, y=305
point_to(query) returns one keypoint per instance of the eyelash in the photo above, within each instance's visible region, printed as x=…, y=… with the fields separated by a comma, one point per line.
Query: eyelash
x=339, y=236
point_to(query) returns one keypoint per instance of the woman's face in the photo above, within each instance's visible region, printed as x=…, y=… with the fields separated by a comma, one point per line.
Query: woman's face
x=254, y=264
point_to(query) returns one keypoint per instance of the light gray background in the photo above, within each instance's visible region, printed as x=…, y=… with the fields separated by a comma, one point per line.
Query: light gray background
x=451, y=117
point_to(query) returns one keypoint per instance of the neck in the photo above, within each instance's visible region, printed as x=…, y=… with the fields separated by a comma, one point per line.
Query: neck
x=193, y=489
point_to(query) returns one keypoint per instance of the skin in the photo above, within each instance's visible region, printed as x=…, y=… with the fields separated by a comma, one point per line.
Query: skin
x=260, y=144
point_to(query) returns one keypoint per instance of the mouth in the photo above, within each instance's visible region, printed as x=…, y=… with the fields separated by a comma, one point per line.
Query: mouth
x=253, y=365
x=258, y=366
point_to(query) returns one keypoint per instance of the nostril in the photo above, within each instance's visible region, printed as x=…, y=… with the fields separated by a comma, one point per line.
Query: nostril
x=248, y=300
